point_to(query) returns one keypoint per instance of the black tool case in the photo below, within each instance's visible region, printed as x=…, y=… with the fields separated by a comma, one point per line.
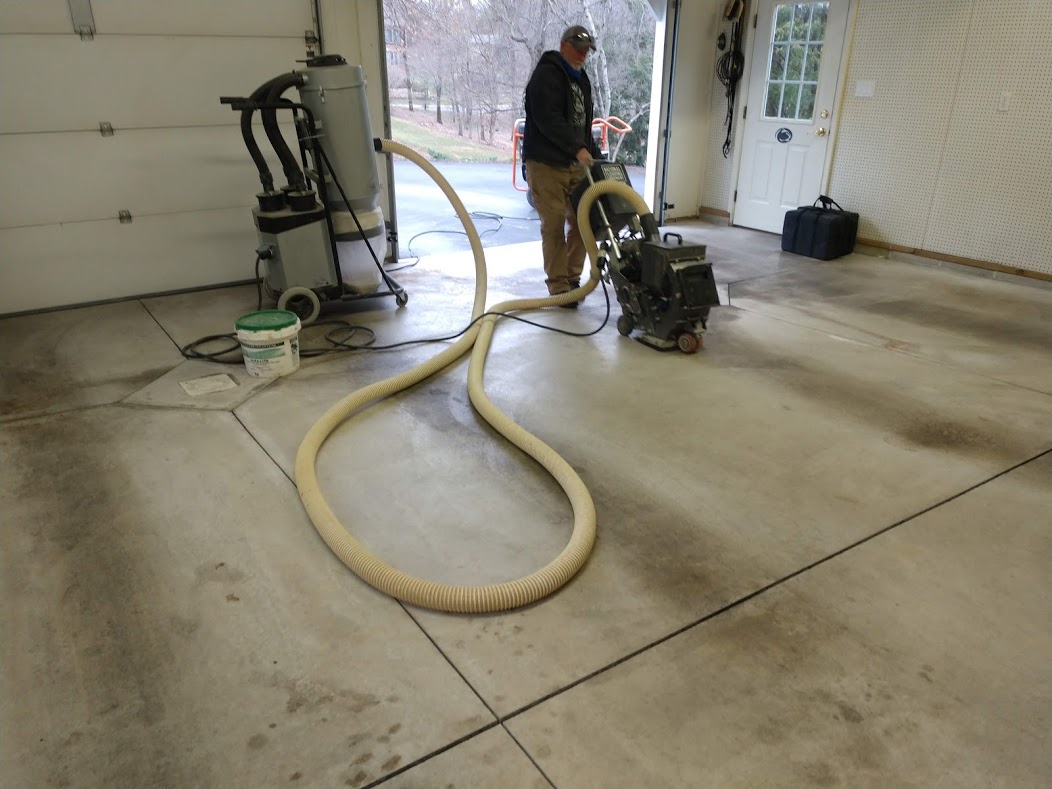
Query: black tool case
x=824, y=232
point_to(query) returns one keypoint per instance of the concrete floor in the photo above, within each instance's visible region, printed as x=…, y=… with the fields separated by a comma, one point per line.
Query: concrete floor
x=823, y=555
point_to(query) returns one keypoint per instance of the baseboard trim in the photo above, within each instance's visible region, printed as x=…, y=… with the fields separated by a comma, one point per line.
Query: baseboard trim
x=714, y=212
x=963, y=261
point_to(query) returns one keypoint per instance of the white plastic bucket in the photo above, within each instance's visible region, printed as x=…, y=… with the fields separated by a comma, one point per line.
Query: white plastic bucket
x=269, y=342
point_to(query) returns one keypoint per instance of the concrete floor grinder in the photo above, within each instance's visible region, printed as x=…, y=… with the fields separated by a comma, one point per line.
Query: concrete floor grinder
x=665, y=289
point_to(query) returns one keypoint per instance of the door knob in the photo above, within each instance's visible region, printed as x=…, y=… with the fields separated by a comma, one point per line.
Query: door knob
x=820, y=131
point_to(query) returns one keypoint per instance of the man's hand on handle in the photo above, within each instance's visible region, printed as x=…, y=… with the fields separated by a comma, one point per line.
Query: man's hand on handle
x=584, y=157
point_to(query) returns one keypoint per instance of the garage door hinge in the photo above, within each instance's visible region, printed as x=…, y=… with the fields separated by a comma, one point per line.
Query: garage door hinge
x=735, y=200
x=106, y=129
x=125, y=217
x=310, y=38
x=755, y=19
x=83, y=19
x=745, y=111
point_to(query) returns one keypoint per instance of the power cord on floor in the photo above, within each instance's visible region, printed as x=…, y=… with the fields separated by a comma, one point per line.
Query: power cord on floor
x=341, y=344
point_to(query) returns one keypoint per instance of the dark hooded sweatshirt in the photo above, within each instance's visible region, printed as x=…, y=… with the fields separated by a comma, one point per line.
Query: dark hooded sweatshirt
x=558, y=113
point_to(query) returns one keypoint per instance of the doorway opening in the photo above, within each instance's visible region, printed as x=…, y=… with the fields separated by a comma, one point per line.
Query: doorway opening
x=793, y=85
x=456, y=75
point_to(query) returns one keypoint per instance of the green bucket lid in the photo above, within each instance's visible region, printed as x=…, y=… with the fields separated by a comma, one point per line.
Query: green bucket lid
x=267, y=320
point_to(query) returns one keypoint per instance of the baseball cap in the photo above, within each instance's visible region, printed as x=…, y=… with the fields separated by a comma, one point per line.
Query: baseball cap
x=579, y=36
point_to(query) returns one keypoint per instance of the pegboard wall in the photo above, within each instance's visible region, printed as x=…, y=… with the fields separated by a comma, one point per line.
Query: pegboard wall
x=993, y=199
x=951, y=153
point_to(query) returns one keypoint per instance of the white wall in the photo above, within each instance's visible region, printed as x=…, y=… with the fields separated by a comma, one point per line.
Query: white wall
x=952, y=155
x=718, y=188
x=691, y=118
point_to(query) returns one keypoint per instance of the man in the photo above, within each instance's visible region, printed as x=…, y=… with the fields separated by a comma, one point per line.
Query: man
x=557, y=138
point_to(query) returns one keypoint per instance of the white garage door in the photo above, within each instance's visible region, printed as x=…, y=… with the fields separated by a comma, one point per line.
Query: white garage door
x=154, y=70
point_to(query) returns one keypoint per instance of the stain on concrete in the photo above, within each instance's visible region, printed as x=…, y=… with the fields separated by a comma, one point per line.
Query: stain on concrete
x=391, y=763
x=257, y=741
x=818, y=774
x=34, y=391
x=99, y=642
x=358, y=779
x=849, y=713
x=219, y=573
x=997, y=330
x=309, y=695
x=182, y=625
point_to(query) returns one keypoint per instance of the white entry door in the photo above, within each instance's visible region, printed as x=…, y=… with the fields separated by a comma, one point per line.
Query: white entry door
x=792, y=87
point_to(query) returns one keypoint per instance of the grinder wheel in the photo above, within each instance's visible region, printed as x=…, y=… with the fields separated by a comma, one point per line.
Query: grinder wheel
x=688, y=342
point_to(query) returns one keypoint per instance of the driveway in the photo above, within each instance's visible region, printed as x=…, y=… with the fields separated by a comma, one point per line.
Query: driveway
x=427, y=224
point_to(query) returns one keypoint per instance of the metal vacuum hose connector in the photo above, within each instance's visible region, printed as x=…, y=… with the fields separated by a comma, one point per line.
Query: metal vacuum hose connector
x=429, y=594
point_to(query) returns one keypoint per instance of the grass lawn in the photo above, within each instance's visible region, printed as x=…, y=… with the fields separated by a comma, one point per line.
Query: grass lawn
x=442, y=146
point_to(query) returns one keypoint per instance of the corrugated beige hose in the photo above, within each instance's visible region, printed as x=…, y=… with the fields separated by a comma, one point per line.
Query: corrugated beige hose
x=417, y=591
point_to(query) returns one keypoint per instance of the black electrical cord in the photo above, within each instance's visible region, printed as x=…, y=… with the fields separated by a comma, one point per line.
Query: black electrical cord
x=729, y=70
x=480, y=214
x=338, y=345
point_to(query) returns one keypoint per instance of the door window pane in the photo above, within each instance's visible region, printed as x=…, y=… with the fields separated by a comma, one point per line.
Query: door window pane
x=807, y=102
x=774, y=100
x=814, y=61
x=801, y=21
x=783, y=23
x=778, y=58
x=795, y=62
x=789, y=99
x=818, y=23
x=795, y=72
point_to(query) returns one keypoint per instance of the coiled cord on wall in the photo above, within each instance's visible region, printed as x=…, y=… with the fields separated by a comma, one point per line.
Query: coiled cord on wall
x=729, y=71
x=429, y=594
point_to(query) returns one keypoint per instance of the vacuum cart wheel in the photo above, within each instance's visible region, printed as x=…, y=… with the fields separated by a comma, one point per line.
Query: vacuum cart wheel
x=304, y=302
x=401, y=298
x=688, y=342
x=625, y=325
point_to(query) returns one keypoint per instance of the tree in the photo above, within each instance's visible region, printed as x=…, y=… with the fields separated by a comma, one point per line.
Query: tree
x=477, y=55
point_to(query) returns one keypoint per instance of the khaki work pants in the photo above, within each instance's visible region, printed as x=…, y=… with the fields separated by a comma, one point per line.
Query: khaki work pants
x=562, y=248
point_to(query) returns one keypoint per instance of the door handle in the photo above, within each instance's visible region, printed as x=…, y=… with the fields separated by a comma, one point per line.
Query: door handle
x=820, y=131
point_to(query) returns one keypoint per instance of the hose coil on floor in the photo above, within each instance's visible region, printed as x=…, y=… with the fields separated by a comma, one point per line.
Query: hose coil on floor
x=429, y=594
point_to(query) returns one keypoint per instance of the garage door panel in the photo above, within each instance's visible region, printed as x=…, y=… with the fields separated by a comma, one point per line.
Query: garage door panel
x=203, y=17
x=35, y=16
x=133, y=81
x=54, y=265
x=163, y=17
x=149, y=171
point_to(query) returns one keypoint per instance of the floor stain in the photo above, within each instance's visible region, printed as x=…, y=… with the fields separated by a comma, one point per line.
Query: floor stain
x=87, y=532
x=850, y=714
x=818, y=774
x=219, y=573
